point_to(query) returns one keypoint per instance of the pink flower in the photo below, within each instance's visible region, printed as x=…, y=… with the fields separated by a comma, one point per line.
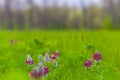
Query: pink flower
x=46, y=70
x=53, y=57
x=97, y=57
x=88, y=63
x=37, y=73
x=56, y=53
x=29, y=62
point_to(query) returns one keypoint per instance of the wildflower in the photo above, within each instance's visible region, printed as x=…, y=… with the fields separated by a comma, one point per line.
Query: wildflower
x=35, y=73
x=97, y=57
x=41, y=66
x=55, y=63
x=88, y=63
x=40, y=58
x=12, y=41
x=46, y=70
x=52, y=57
x=47, y=57
x=39, y=71
x=29, y=60
x=42, y=69
x=56, y=54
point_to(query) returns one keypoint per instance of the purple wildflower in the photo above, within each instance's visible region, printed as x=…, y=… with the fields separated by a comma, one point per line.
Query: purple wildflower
x=52, y=57
x=29, y=60
x=39, y=71
x=35, y=73
x=56, y=53
x=46, y=70
x=88, y=63
x=97, y=57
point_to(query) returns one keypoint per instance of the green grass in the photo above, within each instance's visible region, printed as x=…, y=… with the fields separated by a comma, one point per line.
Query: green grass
x=74, y=51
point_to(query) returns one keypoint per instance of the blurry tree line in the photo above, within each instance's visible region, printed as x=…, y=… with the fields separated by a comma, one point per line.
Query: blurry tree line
x=65, y=17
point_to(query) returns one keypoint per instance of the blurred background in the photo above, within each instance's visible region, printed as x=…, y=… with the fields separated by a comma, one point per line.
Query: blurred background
x=59, y=14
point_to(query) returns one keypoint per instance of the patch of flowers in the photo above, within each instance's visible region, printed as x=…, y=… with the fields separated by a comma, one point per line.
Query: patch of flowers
x=42, y=70
x=97, y=57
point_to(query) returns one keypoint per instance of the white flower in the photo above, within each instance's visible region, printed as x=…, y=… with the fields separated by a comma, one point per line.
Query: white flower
x=47, y=57
x=56, y=54
x=29, y=61
x=40, y=58
x=55, y=64
x=41, y=66
x=29, y=58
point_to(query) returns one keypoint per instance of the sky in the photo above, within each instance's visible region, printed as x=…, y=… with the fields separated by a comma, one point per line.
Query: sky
x=71, y=3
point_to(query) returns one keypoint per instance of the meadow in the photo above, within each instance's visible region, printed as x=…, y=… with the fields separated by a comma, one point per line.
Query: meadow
x=75, y=48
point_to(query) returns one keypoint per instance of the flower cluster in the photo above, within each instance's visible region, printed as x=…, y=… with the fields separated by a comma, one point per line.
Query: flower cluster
x=41, y=70
x=29, y=60
x=97, y=58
